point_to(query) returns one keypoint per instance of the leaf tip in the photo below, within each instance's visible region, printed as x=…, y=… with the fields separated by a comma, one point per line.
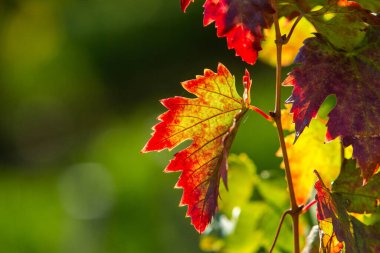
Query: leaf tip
x=297, y=135
x=185, y=4
x=147, y=148
x=223, y=69
x=143, y=150
x=247, y=82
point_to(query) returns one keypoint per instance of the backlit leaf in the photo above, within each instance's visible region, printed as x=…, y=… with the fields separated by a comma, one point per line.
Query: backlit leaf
x=185, y=4
x=241, y=180
x=328, y=241
x=310, y=153
x=349, y=188
x=372, y=5
x=241, y=22
x=367, y=237
x=343, y=23
x=334, y=222
x=243, y=223
x=210, y=120
x=354, y=78
x=340, y=230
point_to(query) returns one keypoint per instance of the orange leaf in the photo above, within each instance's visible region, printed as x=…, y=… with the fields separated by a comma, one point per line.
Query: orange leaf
x=211, y=121
x=310, y=153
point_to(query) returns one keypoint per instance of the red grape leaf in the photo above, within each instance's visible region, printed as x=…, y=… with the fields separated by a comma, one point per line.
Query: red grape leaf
x=185, y=4
x=241, y=22
x=334, y=223
x=366, y=237
x=211, y=121
x=354, y=78
x=327, y=237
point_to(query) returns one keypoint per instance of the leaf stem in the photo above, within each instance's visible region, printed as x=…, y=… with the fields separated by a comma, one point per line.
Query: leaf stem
x=295, y=210
x=279, y=229
x=292, y=29
x=261, y=112
x=307, y=207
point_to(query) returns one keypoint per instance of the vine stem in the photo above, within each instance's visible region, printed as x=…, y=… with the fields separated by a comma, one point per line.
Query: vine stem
x=292, y=29
x=279, y=229
x=295, y=210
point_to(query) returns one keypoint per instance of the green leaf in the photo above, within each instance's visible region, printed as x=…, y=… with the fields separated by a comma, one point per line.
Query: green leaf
x=348, y=187
x=372, y=5
x=334, y=221
x=253, y=229
x=244, y=224
x=340, y=230
x=241, y=181
x=345, y=30
x=366, y=237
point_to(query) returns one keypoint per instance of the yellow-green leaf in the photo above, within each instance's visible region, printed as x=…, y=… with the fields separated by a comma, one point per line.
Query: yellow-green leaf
x=310, y=153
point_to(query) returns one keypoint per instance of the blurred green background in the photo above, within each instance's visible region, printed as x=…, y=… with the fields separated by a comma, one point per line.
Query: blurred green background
x=80, y=82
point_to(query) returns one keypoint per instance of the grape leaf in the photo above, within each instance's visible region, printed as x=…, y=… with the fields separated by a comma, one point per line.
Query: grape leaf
x=372, y=5
x=220, y=234
x=346, y=25
x=211, y=121
x=245, y=219
x=366, y=236
x=185, y=4
x=334, y=222
x=354, y=78
x=328, y=239
x=357, y=198
x=345, y=30
x=241, y=22
x=241, y=181
x=310, y=153
x=292, y=8
x=338, y=229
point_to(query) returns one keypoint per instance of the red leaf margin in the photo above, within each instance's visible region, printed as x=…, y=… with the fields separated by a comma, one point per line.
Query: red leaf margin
x=200, y=217
x=241, y=22
x=185, y=4
x=319, y=74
